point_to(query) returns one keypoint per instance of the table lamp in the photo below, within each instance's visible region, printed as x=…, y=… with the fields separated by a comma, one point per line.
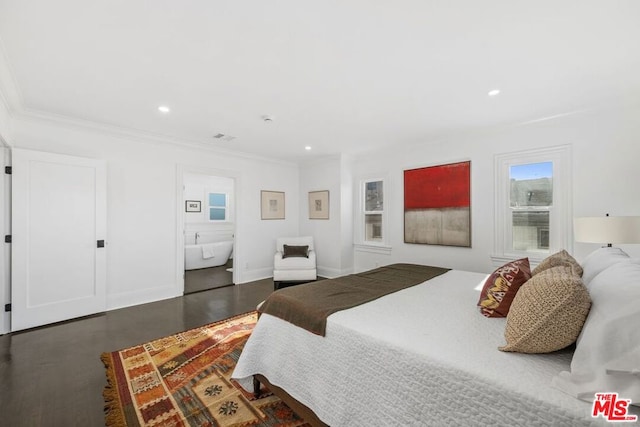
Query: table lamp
x=607, y=229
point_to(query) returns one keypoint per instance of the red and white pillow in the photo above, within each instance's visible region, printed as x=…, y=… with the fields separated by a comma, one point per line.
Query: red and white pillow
x=501, y=287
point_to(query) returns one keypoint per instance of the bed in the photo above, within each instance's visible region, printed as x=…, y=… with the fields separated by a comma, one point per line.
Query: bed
x=423, y=355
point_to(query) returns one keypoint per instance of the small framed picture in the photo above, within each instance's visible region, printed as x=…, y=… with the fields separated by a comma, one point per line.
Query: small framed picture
x=192, y=206
x=272, y=204
x=319, y=204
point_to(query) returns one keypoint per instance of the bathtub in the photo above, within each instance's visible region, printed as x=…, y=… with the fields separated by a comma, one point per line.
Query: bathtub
x=193, y=258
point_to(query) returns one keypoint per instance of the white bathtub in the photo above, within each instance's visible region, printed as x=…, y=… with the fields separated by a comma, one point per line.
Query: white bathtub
x=193, y=258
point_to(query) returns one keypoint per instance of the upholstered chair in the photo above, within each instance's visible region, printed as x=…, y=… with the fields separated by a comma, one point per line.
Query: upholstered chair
x=294, y=261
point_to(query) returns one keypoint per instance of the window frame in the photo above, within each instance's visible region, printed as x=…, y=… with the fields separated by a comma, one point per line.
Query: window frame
x=560, y=233
x=360, y=231
x=225, y=207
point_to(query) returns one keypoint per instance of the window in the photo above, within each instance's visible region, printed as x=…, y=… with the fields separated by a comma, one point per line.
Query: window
x=532, y=215
x=373, y=211
x=531, y=202
x=217, y=207
x=371, y=231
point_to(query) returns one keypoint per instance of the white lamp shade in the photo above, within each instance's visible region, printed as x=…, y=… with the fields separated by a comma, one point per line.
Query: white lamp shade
x=607, y=229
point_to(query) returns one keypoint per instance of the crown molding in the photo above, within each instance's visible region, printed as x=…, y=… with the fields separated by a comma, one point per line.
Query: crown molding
x=320, y=160
x=28, y=114
x=10, y=94
x=11, y=97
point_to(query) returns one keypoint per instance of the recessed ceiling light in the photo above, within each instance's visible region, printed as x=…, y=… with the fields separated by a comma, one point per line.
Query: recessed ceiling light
x=308, y=148
x=164, y=109
x=494, y=92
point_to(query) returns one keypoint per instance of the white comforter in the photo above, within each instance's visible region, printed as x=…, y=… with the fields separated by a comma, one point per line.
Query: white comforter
x=420, y=356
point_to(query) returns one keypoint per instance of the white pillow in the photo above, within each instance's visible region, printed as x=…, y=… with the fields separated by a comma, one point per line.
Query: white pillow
x=598, y=260
x=610, y=338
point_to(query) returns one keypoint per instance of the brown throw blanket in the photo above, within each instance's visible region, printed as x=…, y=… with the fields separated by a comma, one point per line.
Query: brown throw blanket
x=309, y=305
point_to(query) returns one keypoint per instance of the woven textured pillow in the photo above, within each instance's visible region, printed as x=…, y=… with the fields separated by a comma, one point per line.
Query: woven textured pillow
x=547, y=313
x=561, y=258
x=501, y=287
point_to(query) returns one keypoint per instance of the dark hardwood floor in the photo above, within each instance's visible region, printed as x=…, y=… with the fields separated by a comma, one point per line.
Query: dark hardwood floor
x=53, y=376
x=208, y=278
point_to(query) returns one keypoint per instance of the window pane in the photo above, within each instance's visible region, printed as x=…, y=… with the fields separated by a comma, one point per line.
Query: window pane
x=531, y=230
x=531, y=184
x=217, y=199
x=373, y=196
x=373, y=227
x=217, y=214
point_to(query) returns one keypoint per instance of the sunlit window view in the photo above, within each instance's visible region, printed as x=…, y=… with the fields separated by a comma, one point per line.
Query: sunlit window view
x=531, y=199
x=217, y=207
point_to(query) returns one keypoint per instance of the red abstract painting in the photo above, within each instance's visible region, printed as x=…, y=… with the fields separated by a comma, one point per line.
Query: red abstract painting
x=437, y=205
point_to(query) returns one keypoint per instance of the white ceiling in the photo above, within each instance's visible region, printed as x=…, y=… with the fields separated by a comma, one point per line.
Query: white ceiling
x=337, y=75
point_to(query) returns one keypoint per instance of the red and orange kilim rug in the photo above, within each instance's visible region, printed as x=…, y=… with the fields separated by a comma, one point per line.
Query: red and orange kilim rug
x=184, y=380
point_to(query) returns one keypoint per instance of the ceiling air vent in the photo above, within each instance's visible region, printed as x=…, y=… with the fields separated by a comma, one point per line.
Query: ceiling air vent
x=224, y=137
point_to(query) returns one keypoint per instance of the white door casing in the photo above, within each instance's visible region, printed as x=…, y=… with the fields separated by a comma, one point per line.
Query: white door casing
x=5, y=253
x=58, y=215
x=180, y=219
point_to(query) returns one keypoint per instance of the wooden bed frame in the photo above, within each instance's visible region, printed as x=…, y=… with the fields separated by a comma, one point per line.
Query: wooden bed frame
x=303, y=411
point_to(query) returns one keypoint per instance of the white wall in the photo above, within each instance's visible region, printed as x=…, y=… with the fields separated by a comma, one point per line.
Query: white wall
x=142, y=243
x=143, y=199
x=606, y=150
x=332, y=237
x=346, y=214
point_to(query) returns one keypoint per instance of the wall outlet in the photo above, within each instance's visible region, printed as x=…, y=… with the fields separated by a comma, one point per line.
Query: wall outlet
x=246, y=265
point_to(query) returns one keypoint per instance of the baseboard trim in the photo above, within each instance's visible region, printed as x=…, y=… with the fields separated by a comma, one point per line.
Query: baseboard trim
x=331, y=273
x=142, y=296
x=253, y=275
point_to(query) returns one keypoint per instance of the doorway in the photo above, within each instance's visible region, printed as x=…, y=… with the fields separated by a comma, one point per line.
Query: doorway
x=208, y=229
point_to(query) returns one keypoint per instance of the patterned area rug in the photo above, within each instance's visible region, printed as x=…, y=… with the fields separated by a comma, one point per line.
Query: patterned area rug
x=184, y=380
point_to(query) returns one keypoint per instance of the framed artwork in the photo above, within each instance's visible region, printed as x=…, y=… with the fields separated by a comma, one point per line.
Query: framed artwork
x=319, y=204
x=272, y=204
x=192, y=206
x=437, y=205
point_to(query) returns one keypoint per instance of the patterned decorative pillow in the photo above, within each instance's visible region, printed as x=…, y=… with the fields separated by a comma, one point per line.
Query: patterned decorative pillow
x=548, y=312
x=295, y=251
x=558, y=259
x=501, y=287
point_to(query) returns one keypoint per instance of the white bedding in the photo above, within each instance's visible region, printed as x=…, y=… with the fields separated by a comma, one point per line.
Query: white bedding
x=420, y=356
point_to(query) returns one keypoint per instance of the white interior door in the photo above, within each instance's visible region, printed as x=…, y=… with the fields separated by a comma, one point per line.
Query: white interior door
x=58, y=218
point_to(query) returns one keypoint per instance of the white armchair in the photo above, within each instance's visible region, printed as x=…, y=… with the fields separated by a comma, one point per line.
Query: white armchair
x=294, y=266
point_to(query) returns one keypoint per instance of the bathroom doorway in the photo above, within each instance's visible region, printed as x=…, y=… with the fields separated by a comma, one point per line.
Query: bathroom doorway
x=208, y=229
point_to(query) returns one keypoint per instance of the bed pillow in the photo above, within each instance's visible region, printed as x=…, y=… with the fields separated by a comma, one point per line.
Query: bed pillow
x=547, y=313
x=295, y=251
x=599, y=260
x=501, y=287
x=558, y=259
x=607, y=355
